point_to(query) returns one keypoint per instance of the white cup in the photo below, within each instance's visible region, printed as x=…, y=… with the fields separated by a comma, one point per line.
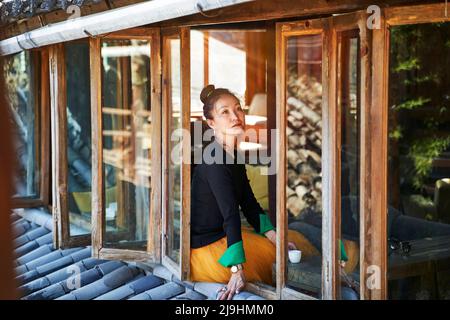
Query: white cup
x=295, y=256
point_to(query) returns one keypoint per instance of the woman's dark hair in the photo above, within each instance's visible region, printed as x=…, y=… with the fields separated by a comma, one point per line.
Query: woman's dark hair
x=209, y=97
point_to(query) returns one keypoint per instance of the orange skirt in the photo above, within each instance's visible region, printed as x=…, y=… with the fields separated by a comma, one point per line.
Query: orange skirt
x=260, y=255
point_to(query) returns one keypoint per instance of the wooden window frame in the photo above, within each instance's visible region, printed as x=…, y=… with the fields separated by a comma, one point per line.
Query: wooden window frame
x=375, y=203
x=182, y=269
x=355, y=21
x=284, y=30
x=329, y=28
x=39, y=57
x=152, y=254
x=60, y=183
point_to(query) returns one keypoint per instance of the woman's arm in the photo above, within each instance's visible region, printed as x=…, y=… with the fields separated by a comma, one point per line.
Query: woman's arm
x=221, y=184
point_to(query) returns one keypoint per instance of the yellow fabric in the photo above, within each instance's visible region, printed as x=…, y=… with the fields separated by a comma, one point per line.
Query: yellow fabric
x=352, y=250
x=83, y=199
x=259, y=184
x=260, y=255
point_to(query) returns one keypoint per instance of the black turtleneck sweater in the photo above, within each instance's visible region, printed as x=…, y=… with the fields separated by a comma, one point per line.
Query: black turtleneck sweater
x=217, y=192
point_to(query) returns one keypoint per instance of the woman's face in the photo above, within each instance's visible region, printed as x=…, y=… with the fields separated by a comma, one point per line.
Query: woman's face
x=228, y=118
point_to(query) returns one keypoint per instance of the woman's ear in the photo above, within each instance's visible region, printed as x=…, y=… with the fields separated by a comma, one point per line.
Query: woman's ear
x=210, y=123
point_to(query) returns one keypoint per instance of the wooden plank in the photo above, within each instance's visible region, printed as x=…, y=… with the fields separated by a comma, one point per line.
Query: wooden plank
x=290, y=294
x=262, y=290
x=124, y=254
x=426, y=13
x=59, y=142
x=26, y=203
x=330, y=163
x=135, y=33
x=154, y=227
x=98, y=219
x=165, y=149
x=185, y=237
x=280, y=9
x=365, y=151
x=77, y=241
x=272, y=116
x=280, y=44
x=45, y=125
x=376, y=222
x=33, y=115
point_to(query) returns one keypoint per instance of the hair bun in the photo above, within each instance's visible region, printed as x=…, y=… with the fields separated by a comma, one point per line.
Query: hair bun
x=206, y=92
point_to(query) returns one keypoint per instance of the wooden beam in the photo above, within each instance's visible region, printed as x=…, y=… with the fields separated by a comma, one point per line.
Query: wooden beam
x=272, y=110
x=45, y=125
x=365, y=153
x=154, y=227
x=59, y=143
x=280, y=44
x=375, y=259
x=98, y=219
x=330, y=163
x=280, y=9
x=425, y=13
x=185, y=237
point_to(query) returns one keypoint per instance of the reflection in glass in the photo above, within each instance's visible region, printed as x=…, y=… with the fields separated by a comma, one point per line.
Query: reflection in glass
x=419, y=162
x=348, y=103
x=126, y=142
x=78, y=136
x=304, y=163
x=20, y=75
x=174, y=183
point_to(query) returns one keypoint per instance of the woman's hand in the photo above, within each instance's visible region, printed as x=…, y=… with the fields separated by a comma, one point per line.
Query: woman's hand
x=235, y=285
x=292, y=246
x=272, y=236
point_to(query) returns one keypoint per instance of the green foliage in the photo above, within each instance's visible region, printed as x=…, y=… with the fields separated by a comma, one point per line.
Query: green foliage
x=409, y=64
x=422, y=152
x=396, y=133
x=412, y=104
x=419, y=123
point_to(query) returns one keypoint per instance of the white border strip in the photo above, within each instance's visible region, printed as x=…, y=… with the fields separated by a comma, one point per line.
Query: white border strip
x=109, y=21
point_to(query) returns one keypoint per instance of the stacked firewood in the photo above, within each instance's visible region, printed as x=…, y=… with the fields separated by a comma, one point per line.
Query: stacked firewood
x=304, y=139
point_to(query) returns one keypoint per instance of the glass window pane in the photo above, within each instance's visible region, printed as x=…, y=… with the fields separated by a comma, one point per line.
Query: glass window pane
x=174, y=182
x=21, y=72
x=199, y=43
x=78, y=136
x=419, y=162
x=348, y=103
x=304, y=163
x=126, y=119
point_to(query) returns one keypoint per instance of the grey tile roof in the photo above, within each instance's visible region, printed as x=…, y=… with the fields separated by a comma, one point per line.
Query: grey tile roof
x=44, y=272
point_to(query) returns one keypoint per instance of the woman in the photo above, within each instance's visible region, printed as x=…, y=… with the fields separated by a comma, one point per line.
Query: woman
x=222, y=251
